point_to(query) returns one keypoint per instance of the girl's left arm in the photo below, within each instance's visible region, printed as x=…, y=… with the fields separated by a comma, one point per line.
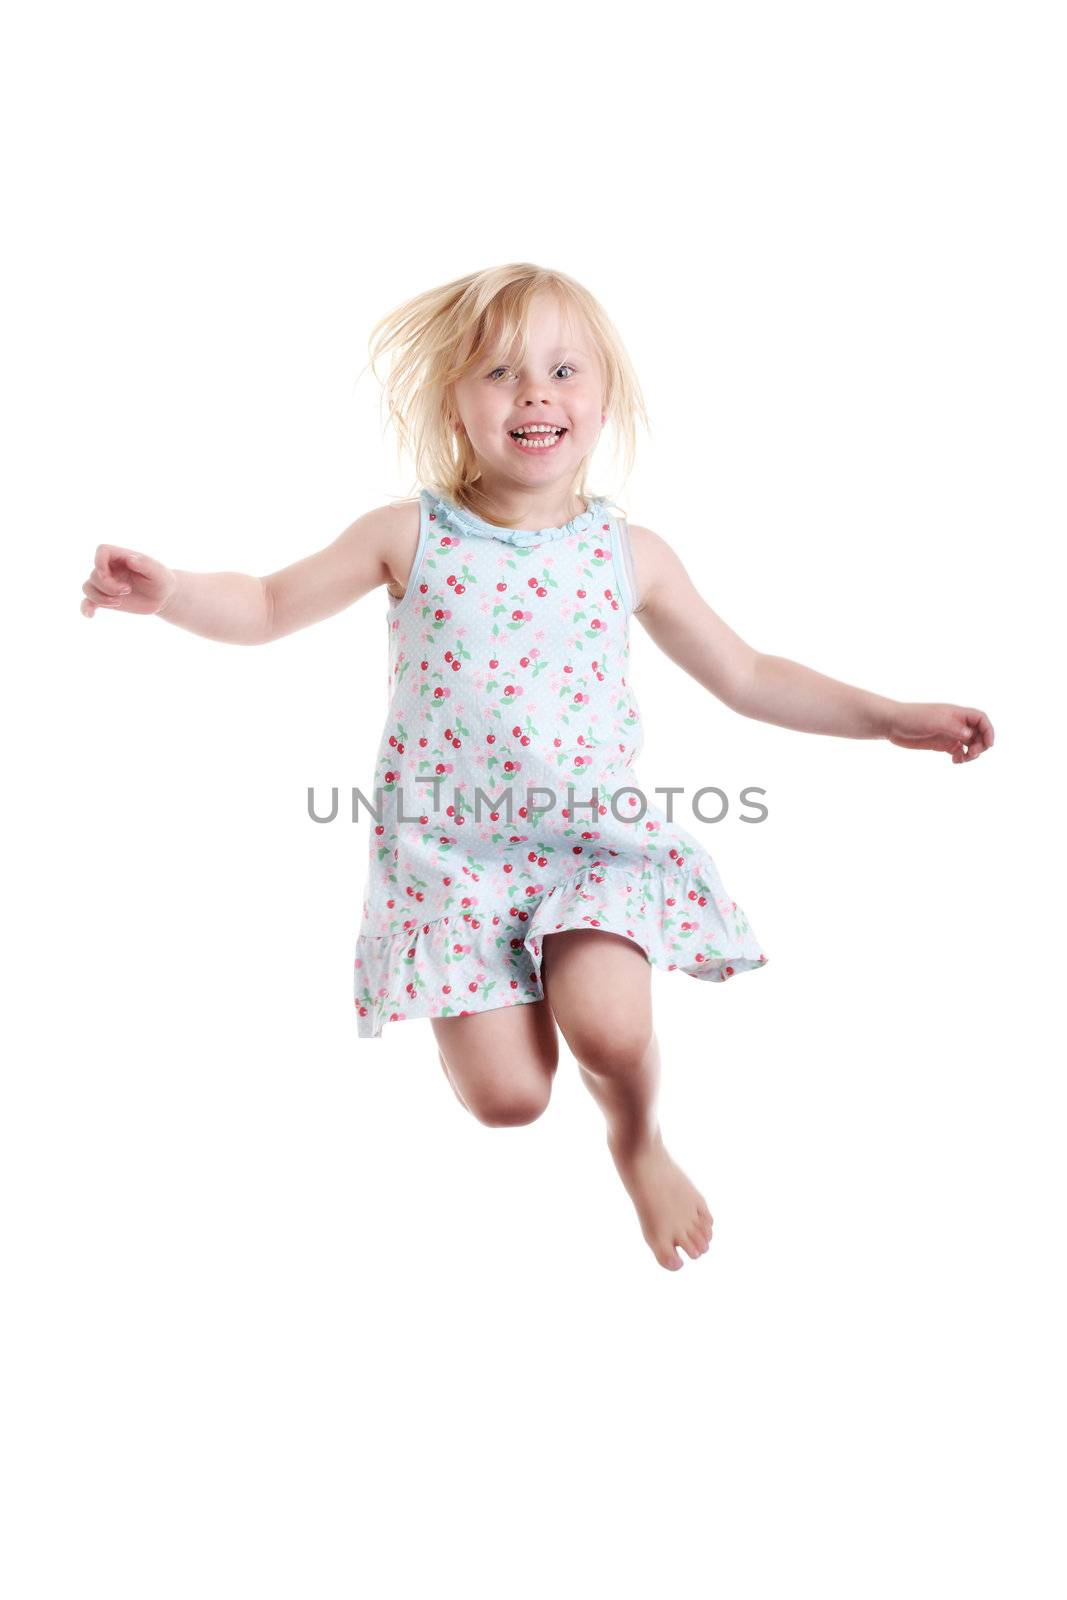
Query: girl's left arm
x=774, y=689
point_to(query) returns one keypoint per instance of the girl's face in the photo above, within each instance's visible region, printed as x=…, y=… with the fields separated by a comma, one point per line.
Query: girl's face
x=560, y=385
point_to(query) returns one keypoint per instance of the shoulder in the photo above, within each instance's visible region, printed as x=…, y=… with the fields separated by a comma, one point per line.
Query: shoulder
x=653, y=560
x=395, y=529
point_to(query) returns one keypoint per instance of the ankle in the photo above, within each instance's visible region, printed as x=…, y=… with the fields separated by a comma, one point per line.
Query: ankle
x=630, y=1139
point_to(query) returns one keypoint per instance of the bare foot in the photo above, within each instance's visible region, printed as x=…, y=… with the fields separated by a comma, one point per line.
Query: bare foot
x=670, y=1209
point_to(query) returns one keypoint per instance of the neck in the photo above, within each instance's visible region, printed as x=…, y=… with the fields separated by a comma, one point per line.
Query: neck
x=523, y=507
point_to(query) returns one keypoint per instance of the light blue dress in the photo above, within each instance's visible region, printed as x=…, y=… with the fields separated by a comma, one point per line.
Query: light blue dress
x=508, y=669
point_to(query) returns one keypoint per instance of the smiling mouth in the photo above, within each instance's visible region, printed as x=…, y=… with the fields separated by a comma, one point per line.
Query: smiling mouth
x=539, y=438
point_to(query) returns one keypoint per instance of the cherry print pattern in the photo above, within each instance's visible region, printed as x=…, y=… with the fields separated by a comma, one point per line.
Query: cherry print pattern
x=508, y=668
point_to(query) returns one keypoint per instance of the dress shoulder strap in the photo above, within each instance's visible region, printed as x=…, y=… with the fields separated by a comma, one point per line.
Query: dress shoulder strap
x=624, y=563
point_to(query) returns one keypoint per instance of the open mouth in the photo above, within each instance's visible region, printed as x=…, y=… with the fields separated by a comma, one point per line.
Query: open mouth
x=537, y=438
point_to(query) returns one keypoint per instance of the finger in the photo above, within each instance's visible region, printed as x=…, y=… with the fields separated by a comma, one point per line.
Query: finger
x=108, y=584
x=982, y=734
x=105, y=555
x=98, y=597
x=136, y=562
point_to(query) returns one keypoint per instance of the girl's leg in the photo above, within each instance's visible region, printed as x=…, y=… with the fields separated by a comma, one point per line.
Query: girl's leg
x=500, y=1063
x=599, y=987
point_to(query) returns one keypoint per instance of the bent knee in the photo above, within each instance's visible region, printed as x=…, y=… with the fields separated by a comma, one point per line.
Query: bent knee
x=612, y=1048
x=510, y=1108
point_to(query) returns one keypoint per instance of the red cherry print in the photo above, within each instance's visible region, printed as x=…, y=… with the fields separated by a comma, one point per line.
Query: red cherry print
x=456, y=665
x=490, y=738
x=494, y=665
x=581, y=594
x=461, y=588
x=451, y=579
x=542, y=593
x=501, y=587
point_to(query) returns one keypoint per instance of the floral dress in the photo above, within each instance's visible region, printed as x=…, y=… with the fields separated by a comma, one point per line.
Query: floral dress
x=509, y=712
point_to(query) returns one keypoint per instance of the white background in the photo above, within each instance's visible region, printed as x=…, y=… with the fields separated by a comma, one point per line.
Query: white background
x=282, y=1320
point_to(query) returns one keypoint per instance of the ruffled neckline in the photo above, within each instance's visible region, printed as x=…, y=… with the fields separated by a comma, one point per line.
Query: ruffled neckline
x=462, y=521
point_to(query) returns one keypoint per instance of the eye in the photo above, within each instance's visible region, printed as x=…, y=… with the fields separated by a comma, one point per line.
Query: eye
x=560, y=368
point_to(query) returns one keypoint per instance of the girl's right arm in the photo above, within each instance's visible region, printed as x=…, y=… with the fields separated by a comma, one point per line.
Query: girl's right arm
x=237, y=608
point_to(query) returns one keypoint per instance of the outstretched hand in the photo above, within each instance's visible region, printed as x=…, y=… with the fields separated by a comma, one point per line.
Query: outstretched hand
x=962, y=731
x=125, y=580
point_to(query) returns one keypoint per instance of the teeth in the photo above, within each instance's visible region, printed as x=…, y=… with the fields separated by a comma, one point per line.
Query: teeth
x=520, y=436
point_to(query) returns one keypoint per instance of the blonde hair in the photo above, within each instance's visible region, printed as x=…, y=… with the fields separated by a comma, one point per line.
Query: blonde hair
x=485, y=311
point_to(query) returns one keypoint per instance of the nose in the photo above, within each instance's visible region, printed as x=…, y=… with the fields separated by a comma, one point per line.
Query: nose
x=535, y=390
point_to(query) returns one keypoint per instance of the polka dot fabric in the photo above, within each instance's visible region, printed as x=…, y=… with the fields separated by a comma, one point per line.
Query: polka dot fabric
x=509, y=675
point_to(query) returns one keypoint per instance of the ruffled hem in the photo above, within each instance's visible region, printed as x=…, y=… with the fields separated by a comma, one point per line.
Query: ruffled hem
x=466, y=962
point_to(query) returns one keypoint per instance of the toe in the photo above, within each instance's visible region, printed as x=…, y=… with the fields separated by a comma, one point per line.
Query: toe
x=697, y=1239
x=668, y=1257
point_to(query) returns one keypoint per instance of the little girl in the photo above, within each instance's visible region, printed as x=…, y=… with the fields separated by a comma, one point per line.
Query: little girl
x=519, y=880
